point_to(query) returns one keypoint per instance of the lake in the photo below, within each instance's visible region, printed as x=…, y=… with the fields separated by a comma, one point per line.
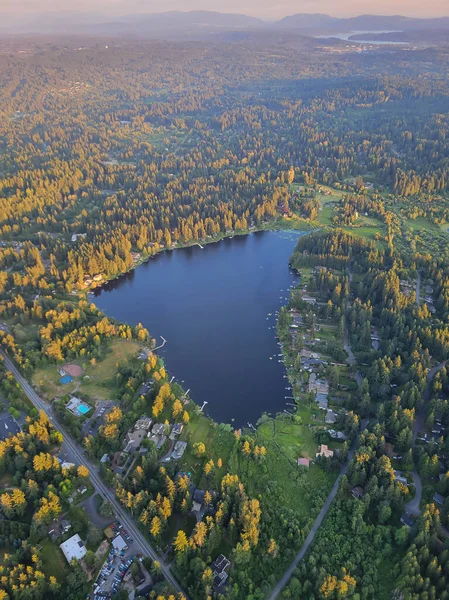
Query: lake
x=347, y=37
x=216, y=308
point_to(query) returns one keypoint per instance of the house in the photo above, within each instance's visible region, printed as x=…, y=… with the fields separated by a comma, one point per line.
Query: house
x=308, y=299
x=134, y=440
x=331, y=417
x=82, y=489
x=119, y=543
x=400, y=477
x=357, y=492
x=73, y=548
x=67, y=465
x=58, y=527
x=75, y=236
x=104, y=459
x=438, y=499
x=220, y=575
x=143, y=423
x=325, y=451
x=337, y=435
x=407, y=520
x=319, y=386
x=145, y=387
x=303, y=462
x=178, y=450
x=308, y=354
x=65, y=525
x=312, y=381
x=198, y=500
x=322, y=401
x=158, y=429
x=176, y=430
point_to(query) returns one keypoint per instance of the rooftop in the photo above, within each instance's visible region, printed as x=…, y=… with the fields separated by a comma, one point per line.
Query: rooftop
x=73, y=548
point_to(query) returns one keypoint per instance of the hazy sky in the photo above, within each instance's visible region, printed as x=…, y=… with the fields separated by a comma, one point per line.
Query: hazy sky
x=260, y=8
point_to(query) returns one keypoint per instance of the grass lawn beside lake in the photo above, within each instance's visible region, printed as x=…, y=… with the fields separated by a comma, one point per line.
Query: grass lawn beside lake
x=100, y=381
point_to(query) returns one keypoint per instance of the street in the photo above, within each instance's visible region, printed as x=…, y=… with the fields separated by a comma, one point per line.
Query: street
x=77, y=454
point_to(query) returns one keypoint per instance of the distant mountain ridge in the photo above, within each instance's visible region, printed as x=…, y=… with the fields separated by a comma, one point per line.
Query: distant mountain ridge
x=191, y=22
x=362, y=22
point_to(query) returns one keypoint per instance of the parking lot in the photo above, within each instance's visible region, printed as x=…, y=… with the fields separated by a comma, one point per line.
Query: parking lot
x=116, y=565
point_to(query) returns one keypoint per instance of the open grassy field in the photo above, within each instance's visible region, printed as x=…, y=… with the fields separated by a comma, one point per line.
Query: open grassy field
x=421, y=223
x=219, y=443
x=100, y=377
x=53, y=560
x=292, y=439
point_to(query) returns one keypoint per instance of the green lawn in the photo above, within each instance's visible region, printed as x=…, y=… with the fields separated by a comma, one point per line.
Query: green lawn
x=100, y=377
x=54, y=562
x=421, y=223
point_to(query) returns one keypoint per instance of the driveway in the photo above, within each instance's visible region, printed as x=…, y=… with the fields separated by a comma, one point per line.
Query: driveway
x=412, y=507
x=90, y=506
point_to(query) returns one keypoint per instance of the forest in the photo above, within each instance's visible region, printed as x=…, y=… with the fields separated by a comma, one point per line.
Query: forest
x=111, y=154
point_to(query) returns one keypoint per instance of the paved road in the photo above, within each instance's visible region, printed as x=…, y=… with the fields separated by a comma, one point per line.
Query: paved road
x=412, y=507
x=77, y=453
x=418, y=289
x=323, y=512
x=318, y=521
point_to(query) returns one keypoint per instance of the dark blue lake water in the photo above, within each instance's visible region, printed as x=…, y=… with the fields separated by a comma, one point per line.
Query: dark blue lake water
x=212, y=306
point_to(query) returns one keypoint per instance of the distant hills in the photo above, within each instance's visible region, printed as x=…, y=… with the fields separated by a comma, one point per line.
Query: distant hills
x=302, y=22
x=198, y=23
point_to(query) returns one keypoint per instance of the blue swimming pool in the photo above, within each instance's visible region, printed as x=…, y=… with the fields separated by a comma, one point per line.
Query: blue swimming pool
x=83, y=409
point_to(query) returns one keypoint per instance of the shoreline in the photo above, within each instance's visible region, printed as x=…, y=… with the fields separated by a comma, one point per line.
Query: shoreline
x=283, y=226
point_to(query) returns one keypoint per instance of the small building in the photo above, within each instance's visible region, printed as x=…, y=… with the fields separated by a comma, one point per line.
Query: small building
x=438, y=499
x=219, y=570
x=198, y=500
x=77, y=406
x=145, y=387
x=331, y=417
x=82, y=489
x=178, y=450
x=337, y=435
x=73, y=548
x=308, y=354
x=407, y=520
x=322, y=401
x=176, y=430
x=400, y=477
x=143, y=423
x=104, y=459
x=357, y=492
x=119, y=543
x=67, y=465
x=58, y=528
x=158, y=429
x=325, y=451
x=304, y=462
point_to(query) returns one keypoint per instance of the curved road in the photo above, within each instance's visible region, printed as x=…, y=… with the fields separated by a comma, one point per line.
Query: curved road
x=95, y=478
x=318, y=521
x=323, y=512
x=412, y=507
